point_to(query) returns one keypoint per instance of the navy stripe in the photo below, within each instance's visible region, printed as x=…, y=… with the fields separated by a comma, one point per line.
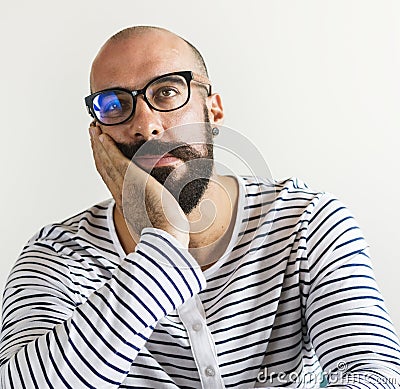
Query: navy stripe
x=77, y=374
x=172, y=264
x=156, y=264
x=179, y=253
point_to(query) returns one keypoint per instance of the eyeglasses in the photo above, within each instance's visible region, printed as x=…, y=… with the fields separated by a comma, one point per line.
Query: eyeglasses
x=164, y=93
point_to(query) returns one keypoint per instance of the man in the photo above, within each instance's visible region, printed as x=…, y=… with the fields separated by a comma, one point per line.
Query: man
x=275, y=289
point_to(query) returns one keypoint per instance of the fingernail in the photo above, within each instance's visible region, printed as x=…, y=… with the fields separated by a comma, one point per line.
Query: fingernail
x=101, y=138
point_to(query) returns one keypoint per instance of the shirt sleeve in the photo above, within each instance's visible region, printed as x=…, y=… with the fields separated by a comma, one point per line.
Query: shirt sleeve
x=347, y=320
x=50, y=341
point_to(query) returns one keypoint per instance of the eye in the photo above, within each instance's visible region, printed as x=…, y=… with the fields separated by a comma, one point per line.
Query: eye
x=112, y=104
x=166, y=92
x=111, y=108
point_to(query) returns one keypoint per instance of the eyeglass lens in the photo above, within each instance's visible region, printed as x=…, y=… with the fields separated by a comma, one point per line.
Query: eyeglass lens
x=163, y=94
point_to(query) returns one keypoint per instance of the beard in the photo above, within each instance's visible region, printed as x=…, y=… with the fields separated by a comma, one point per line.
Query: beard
x=189, y=186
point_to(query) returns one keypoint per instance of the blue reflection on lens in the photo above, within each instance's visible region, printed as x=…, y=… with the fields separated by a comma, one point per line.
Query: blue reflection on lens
x=107, y=102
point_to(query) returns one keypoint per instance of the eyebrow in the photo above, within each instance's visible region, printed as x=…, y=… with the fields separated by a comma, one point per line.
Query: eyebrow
x=110, y=88
x=174, y=77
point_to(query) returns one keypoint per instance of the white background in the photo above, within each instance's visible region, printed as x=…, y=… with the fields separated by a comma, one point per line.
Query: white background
x=314, y=84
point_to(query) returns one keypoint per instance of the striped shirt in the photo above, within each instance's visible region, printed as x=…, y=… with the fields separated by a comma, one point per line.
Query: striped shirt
x=292, y=302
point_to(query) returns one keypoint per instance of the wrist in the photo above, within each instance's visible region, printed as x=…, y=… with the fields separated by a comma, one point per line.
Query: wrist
x=178, y=238
x=182, y=237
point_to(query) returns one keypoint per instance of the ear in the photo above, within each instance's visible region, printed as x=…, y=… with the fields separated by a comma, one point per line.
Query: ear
x=215, y=108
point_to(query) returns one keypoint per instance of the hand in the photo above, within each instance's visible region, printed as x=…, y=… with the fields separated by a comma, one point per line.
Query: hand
x=142, y=200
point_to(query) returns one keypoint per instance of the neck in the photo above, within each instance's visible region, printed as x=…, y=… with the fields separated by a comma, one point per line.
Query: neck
x=212, y=217
x=211, y=222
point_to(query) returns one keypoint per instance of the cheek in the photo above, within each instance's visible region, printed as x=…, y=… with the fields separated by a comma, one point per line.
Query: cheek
x=193, y=134
x=192, y=112
x=186, y=124
x=115, y=132
x=201, y=148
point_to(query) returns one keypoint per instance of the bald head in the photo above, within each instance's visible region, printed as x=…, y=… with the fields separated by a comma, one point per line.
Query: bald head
x=129, y=32
x=147, y=44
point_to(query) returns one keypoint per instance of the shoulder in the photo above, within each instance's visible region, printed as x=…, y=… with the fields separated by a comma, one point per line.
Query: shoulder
x=92, y=217
x=259, y=185
x=85, y=222
x=290, y=211
x=75, y=251
x=289, y=203
x=275, y=195
x=83, y=235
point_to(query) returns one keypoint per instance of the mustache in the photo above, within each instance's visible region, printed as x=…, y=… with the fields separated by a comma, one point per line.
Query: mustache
x=179, y=150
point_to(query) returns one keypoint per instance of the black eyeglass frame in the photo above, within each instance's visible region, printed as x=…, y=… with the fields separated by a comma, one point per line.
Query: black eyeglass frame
x=188, y=75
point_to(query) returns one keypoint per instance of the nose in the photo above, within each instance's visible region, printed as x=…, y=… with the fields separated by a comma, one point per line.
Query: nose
x=146, y=123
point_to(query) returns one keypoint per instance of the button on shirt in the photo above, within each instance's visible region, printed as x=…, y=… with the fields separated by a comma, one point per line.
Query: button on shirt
x=196, y=327
x=292, y=302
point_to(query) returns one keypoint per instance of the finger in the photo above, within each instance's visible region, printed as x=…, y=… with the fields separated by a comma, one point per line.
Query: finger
x=121, y=162
x=110, y=175
x=104, y=163
x=115, y=155
x=94, y=130
x=109, y=159
x=99, y=151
